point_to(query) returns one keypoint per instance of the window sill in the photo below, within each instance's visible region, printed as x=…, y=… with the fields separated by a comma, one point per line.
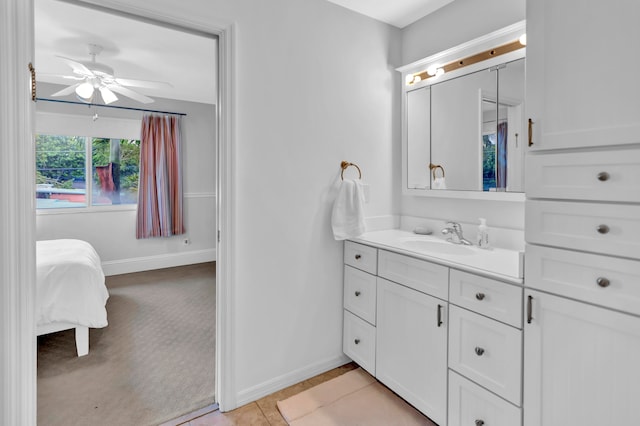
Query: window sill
x=92, y=209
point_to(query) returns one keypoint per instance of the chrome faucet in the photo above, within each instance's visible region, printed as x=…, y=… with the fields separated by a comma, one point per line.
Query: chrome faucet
x=454, y=229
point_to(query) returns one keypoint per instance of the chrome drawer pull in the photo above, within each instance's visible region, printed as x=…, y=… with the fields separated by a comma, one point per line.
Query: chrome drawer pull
x=357, y=293
x=603, y=176
x=479, y=351
x=479, y=296
x=603, y=282
x=358, y=257
x=439, y=319
x=529, y=309
x=603, y=229
x=479, y=422
x=357, y=341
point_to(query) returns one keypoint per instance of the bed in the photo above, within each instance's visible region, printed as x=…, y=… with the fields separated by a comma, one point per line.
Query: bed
x=70, y=289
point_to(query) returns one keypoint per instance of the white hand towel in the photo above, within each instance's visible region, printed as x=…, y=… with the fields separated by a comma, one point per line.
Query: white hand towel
x=439, y=183
x=347, y=218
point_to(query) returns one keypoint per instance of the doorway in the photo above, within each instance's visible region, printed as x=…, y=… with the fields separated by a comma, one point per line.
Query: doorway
x=205, y=197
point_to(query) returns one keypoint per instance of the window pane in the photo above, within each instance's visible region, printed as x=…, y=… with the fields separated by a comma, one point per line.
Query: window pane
x=115, y=171
x=60, y=171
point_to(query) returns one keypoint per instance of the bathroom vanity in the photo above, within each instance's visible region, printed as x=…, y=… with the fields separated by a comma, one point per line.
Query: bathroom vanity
x=438, y=323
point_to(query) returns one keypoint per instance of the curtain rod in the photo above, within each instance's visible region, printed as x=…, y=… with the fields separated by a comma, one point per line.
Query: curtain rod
x=62, y=101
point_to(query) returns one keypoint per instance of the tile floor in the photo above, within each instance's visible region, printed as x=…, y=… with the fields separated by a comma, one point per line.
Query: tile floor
x=263, y=412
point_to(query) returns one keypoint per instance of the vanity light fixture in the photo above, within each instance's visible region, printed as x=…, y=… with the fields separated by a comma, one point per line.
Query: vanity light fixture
x=523, y=39
x=435, y=71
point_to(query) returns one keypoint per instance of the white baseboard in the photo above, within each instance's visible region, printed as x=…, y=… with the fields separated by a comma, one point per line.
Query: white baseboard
x=267, y=388
x=148, y=263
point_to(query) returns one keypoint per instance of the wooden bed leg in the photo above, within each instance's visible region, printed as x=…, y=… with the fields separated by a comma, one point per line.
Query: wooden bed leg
x=82, y=340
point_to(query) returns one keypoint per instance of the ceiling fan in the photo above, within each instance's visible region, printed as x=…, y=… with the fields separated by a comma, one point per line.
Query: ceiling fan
x=93, y=77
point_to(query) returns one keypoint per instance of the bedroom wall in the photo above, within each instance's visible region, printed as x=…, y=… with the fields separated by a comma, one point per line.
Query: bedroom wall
x=456, y=23
x=112, y=232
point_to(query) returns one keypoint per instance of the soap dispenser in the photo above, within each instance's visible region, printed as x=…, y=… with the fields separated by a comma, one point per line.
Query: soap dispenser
x=483, y=234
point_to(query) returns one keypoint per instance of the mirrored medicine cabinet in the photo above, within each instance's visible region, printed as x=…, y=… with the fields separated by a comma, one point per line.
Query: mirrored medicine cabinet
x=464, y=128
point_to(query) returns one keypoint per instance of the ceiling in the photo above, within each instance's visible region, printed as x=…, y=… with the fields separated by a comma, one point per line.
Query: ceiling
x=146, y=51
x=398, y=13
x=134, y=49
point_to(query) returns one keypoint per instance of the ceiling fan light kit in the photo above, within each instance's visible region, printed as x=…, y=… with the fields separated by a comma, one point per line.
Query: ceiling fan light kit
x=92, y=77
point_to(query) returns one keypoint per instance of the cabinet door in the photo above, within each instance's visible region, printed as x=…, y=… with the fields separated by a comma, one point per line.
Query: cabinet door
x=411, y=347
x=580, y=364
x=582, y=85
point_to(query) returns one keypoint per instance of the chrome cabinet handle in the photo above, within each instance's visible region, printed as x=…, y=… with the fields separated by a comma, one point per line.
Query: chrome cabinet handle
x=439, y=320
x=358, y=257
x=603, y=176
x=603, y=229
x=480, y=296
x=603, y=282
x=479, y=351
x=356, y=341
x=357, y=293
x=479, y=422
x=529, y=309
x=530, y=132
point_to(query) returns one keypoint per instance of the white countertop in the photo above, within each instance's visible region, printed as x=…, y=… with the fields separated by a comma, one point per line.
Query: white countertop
x=502, y=264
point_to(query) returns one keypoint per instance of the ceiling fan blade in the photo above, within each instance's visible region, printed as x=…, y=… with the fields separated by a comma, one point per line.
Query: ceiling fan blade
x=130, y=93
x=107, y=95
x=143, y=83
x=77, y=67
x=54, y=78
x=67, y=90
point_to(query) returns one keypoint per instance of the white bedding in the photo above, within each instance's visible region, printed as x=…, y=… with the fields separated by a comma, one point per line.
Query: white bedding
x=70, y=284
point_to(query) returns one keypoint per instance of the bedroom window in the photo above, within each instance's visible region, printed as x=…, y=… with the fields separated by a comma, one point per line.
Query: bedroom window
x=82, y=171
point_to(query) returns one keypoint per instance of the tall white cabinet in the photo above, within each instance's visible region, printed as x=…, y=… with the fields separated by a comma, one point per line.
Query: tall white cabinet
x=582, y=223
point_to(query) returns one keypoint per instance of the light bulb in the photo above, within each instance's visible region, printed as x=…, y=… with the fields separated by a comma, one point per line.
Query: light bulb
x=432, y=70
x=85, y=91
x=409, y=79
x=439, y=72
x=107, y=95
x=417, y=78
x=523, y=39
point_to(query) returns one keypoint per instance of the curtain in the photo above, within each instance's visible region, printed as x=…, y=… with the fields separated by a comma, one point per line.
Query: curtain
x=501, y=156
x=160, y=189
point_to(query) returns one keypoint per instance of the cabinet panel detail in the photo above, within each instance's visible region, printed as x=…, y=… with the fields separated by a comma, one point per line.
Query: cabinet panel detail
x=598, y=228
x=361, y=256
x=470, y=404
x=360, y=293
x=487, y=352
x=488, y=297
x=411, y=352
x=359, y=342
x=420, y=275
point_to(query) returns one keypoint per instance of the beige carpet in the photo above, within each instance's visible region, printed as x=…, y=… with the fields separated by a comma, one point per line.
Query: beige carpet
x=353, y=399
x=154, y=362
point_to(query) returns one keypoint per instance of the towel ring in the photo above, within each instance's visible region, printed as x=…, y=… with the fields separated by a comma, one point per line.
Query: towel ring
x=346, y=164
x=434, y=167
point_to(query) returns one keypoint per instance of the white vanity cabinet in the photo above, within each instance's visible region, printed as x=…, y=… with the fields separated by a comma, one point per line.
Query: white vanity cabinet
x=582, y=227
x=449, y=342
x=411, y=334
x=485, y=351
x=572, y=105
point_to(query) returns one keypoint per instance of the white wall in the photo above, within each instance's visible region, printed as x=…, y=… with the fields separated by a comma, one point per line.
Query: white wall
x=111, y=232
x=456, y=23
x=315, y=85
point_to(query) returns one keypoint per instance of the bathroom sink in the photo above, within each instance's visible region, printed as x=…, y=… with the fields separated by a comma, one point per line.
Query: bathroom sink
x=441, y=247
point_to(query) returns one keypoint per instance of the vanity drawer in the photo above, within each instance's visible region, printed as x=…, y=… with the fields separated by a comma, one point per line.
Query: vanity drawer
x=360, y=293
x=485, y=296
x=417, y=274
x=607, y=281
x=599, y=228
x=359, y=342
x=361, y=256
x=598, y=175
x=470, y=404
x=486, y=351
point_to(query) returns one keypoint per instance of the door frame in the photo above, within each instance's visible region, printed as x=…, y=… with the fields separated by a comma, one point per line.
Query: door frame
x=17, y=251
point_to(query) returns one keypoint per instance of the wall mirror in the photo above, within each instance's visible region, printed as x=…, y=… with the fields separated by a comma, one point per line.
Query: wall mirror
x=463, y=124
